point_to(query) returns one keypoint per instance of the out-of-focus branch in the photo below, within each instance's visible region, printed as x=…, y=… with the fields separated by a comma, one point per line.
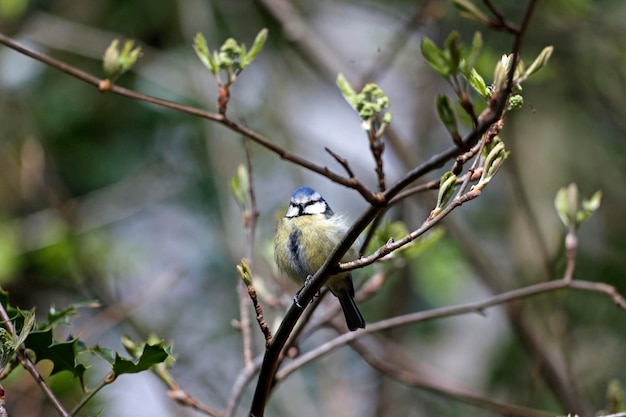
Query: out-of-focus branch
x=396, y=45
x=397, y=365
x=186, y=399
x=241, y=382
x=250, y=216
x=500, y=21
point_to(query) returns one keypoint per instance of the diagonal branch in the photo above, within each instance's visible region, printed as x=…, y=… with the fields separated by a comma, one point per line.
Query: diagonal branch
x=489, y=116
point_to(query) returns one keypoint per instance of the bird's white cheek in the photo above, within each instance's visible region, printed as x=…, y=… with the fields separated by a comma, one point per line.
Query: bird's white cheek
x=318, y=207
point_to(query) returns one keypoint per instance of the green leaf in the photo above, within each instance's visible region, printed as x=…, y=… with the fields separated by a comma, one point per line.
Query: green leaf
x=257, y=46
x=202, y=50
x=107, y=354
x=389, y=230
x=447, y=186
x=369, y=102
x=229, y=55
x=566, y=204
x=590, y=206
x=110, y=60
x=15, y=314
x=116, y=62
x=56, y=317
x=435, y=57
x=243, y=61
x=493, y=162
x=129, y=55
x=447, y=115
x=245, y=272
x=151, y=354
x=62, y=355
x=453, y=51
x=478, y=83
x=593, y=203
x=27, y=327
x=7, y=347
x=477, y=46
x=239, y=186
x=539, y=62
x=23, y=323
x=346, y=89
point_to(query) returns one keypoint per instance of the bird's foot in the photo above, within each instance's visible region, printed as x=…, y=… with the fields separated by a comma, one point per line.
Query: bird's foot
x=295, y=299
x=297, y=295
x=307, y=281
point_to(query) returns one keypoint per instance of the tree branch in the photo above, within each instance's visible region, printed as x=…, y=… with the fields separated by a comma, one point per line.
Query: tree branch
x=478, y=307
x=215, y=117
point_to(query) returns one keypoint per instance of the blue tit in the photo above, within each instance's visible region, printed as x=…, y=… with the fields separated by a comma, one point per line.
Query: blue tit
x=304, y=239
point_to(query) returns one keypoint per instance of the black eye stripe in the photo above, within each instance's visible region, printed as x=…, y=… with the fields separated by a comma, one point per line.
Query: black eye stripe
x=301, y=208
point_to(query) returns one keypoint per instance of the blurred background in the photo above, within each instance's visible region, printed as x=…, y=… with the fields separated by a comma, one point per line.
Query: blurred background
x=106, y=198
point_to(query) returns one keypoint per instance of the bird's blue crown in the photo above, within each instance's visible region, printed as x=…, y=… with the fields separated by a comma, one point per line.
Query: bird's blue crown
x=303, y=192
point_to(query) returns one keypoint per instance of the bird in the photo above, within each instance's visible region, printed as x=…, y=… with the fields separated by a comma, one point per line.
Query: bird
x=304, y=239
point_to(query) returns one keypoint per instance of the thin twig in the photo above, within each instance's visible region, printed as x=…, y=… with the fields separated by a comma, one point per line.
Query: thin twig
x=377, y=147
x=178, y=394
x=571, y=246
x=109, y=378
x=501, y=22
x=27, y=364
x=342, y=161
x=241, y=382
x=391, y=246
x=260, y=318
x=244, y=325
x=478, y=307
x=188, y=400
x=250, y=216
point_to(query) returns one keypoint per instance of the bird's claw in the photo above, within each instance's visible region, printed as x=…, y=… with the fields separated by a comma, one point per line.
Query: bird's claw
x=297, y=295
x=295, y=299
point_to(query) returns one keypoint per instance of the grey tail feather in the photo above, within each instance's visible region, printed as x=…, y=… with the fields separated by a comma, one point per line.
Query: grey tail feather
x=354, y=318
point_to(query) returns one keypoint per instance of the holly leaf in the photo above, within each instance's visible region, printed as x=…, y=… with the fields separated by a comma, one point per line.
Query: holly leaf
x=61, y=354
x=151, y=355
x=56, y=317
